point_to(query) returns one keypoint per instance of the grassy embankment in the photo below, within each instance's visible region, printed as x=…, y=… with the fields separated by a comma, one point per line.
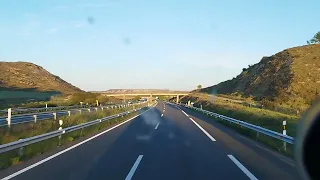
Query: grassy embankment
x=25, y=130
x=261, y=117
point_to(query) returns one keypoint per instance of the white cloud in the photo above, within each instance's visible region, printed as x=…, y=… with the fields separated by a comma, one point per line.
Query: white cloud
x=52, y=31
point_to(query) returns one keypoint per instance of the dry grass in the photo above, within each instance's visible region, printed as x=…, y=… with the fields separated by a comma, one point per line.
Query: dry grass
x=290, y=79
x=17, y=156
x=264, y=118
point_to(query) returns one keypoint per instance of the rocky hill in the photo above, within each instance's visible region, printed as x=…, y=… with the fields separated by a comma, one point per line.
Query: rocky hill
x=290, y=78
x=24, y=75
x=23, y=81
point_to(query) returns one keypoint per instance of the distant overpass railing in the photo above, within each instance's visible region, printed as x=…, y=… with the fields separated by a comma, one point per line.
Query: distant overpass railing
x=144, y=94
x=258, y=129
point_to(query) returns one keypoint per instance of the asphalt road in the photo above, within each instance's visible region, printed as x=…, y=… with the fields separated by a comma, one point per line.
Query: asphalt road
x=164, y=143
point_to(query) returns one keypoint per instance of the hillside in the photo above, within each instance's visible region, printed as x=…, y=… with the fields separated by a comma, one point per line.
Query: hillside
x=289, y=78
x=21, y=81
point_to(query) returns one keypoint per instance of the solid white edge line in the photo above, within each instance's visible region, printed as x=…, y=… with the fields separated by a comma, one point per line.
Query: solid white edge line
x=184, y=113
x=134, y=168
x=243, y=169
x=68, y=149
x=204, y=131
x=157, y=125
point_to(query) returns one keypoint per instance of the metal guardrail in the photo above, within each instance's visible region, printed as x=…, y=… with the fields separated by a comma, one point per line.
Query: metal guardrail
x=24, y=118
x=259, y=129
x=43, y=108
x=49, y=108
x=35, y=139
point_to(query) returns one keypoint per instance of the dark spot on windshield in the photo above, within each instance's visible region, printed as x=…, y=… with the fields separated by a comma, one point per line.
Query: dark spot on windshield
x=90, y=20
x=127, y=41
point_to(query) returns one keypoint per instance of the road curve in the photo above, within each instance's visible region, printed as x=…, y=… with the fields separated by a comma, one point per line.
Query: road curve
x=165, y=142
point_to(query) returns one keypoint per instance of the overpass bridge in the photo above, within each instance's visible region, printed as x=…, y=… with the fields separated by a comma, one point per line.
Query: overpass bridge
x=150, y=94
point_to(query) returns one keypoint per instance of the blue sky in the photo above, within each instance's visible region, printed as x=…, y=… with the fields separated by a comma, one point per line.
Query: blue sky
x=172, y=44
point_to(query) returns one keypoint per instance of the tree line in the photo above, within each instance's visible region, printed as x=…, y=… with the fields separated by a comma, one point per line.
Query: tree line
x=315, y=39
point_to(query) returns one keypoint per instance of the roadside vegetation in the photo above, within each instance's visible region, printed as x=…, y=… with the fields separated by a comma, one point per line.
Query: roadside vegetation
x=25, y=130
x=261, y=117
x=86, y=98
x=29, y=129
x=286, y=82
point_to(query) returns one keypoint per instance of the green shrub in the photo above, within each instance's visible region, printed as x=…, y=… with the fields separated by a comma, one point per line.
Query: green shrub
x=15, y=160
x=12, y=157
x=70, y=139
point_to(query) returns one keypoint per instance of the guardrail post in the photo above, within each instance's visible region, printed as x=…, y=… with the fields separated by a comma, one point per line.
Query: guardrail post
x=35, y=118
x=284, y=132
x=60, y=123
x=80, y=111
x=9, y=117
x=96, y=109
x=20, y=151
x=89, y=110
x=69, y=113
x=46, y=107
x=102, y=108
x=54, y=116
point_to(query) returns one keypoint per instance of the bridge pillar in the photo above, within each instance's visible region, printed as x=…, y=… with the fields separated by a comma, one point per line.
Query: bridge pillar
x=177, y=98
x=150, y=99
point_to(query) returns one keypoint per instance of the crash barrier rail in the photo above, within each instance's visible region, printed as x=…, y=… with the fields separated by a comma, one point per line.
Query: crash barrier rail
x=27, y=141
x=18, y=119
x=258, y=129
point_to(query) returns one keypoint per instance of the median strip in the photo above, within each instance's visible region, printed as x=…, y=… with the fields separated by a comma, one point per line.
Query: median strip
x=74, y=146
x=66, y=150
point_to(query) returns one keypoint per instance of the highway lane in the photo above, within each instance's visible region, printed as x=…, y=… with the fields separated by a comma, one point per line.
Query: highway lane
x=180, y=150
x=163, y=143
x=263, y=162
